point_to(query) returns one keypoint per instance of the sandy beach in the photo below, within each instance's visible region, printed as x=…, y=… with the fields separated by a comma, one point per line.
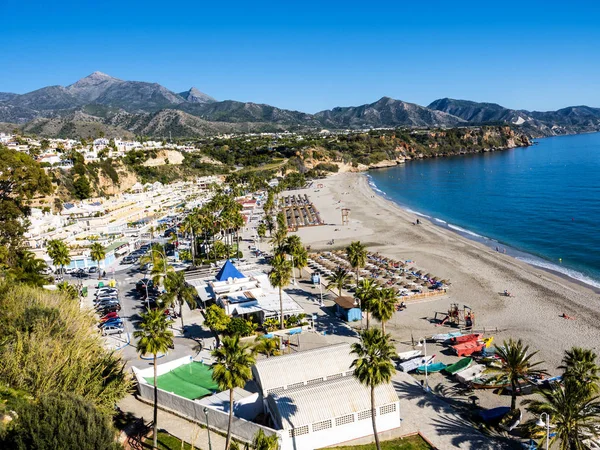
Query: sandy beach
x=478, y=274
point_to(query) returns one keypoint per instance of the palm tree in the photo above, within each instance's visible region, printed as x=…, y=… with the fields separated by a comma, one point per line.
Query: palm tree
x=59, y=253
x=383, y=305
x=68, y=289
x=357, y=256
x=231, y=370
x=29, y=270
x=280, y=277
x=160, y=266
x=179, y=291
x=366, y=292
x=373, y=365
x=338, y=279
x=580, y=365
x=263, y=442
x=190, y=225
x=98, y=253
x=267, y=346
x=279, y=239
x=294, y=247
x=574, y=413
x=154, y=338
x=516, y=366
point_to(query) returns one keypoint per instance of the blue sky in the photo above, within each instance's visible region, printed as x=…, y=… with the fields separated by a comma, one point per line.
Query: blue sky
x=309, y=55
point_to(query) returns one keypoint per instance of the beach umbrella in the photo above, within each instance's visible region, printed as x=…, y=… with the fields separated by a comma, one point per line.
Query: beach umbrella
x=428, y=275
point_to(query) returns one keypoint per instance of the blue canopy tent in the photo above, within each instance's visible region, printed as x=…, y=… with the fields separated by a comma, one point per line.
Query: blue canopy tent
x=229, y=271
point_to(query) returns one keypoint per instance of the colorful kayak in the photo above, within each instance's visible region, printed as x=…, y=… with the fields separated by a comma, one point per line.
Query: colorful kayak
x=458, y=366
x=432, y=368
x=412, y=364
x=445, y=336
x=405, y=356
x=468, y=348
x=465, y=338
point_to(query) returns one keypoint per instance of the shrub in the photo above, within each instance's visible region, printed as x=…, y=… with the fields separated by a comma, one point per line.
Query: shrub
x=240, y=327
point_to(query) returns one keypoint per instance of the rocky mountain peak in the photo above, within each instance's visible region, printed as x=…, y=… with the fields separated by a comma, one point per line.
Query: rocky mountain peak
x=91, y=87
x=194, y=95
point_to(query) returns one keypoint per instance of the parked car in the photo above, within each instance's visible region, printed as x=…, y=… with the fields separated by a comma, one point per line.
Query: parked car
x=127, y=260
x=110, y=315
x=140, y=286
x=106, y=298
x=93, y=269
x=112, y=322
x=106, y=290
x=108, y=309
x=106, y=303
x=106, y=331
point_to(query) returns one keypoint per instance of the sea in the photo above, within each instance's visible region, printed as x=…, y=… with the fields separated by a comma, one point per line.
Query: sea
x=540, y=204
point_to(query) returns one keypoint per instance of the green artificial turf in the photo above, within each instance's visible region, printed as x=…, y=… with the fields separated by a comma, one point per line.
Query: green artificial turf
x=414, y=442
x=193, y=380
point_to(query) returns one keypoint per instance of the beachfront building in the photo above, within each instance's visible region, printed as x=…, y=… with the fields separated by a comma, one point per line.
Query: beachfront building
x=314, y=401
x=244, y=295
x=347, y=308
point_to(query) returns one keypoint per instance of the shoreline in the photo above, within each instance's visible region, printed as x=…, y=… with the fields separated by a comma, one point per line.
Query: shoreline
x=478, y=274
x=489, y=242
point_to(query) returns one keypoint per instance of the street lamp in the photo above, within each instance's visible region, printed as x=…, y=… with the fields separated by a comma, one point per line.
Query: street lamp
x=207, y=427
x=423, y=343
x=540, y=423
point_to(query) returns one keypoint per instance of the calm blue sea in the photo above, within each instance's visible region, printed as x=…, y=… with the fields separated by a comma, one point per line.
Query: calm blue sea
x=542, y=202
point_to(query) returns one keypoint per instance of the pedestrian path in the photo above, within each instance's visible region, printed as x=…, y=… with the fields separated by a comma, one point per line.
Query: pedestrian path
x=181, y=428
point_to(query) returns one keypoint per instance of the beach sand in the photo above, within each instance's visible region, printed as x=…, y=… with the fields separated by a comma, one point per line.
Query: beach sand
x=478, y=274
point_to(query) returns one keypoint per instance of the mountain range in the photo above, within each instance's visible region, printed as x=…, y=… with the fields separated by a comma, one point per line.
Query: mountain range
x=117, y=107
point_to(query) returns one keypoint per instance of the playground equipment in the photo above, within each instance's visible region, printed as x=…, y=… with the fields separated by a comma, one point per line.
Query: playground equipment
x=456, y=317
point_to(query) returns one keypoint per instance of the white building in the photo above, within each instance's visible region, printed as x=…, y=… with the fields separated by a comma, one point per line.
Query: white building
x=314, y=401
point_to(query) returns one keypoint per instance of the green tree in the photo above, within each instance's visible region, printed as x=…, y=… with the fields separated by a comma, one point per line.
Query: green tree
x=366, y=293
x=82, y=188
x=338, y=279
x=60, y=420
x=579, y=364
x=154, y=338
x=373, y=365
x=261, y=441
x=383, y=305
x=574, y=414
x=231, y=370
x=29, y=270
x=357, y=256
x=216, y=319
x=279, y=239
x=179, y=291
x=279, y=277
x=98, y=253
x=68, y=289
x=21, y=177
x=160, y=266
x=261, y=230
x=266, y=346
x=517, y=366
x=59, y=253
x=293, y=246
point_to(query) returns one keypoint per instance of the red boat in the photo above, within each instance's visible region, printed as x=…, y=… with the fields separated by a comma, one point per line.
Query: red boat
x=465, y=338
x=468, y=348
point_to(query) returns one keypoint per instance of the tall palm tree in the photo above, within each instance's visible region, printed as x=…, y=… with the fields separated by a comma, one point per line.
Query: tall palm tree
x=366, y=292
x=98, y=253
x=516, y=366
x=29, y=270
x=293, y=246
x=231, y=370
x=373, y=365
x=279, y=239
x=574, y=413
x=154, y=338
x=261, y=441
x=338, y=279
x=580, y=365
x=383, y=305
x=191, y=225
x=177, y=290
x=59, y=253
x=357, y=256
x=280, y=277
x=160, y=266
x=267, y=346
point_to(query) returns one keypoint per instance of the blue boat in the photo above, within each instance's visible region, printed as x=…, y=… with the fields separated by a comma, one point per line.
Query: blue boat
x=491, y=415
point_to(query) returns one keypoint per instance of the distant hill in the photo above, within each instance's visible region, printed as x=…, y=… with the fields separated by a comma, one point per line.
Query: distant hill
x=386, y=112
x=118, y=107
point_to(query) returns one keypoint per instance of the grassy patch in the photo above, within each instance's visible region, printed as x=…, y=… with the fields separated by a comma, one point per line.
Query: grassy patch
x=167, y=441
x=414, y=442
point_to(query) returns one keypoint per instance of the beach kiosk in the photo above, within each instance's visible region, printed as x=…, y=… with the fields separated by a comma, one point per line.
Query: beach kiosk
x=347, y=309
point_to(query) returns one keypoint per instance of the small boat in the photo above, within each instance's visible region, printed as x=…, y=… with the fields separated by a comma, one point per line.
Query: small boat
x=405, y=356
x=465, y=338
x=487, y=383
x=546, y=382
x=470, y=373
x=468, y=348
x=432, y=368
x=445, y=336
x=461, y=364
x=511, y=420
x=494, y=414
x=412, y=364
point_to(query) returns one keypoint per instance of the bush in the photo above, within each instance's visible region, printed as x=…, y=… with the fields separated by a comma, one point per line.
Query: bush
x=63, y=421
x=270, y=324
x=240, y=327
x=327, y=167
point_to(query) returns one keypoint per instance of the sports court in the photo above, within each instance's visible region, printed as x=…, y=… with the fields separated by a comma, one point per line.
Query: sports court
x=193, y=380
